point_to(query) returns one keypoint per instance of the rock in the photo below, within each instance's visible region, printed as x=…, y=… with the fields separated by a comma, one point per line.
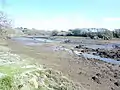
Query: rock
x=8, y=37
x=94, y=53
x=117, y=83
x=110, y=79
x=112, y=88
x=114, y=54
x=80, y=73
x=116, y=46
x=67, y=41
x=96, y=79
x=20, y=86
x=116, y=75
x=82, y=51
x=79, y=46
x=98, y=74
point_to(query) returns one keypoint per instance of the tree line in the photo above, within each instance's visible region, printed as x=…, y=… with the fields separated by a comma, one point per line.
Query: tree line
x=93, y=33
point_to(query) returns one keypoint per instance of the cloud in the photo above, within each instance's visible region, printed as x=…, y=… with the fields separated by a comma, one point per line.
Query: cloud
x=111, y=19
x=65, y=23
x=111, y=22
x=60, y=23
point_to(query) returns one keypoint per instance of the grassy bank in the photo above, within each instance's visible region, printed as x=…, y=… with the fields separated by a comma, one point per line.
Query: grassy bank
x=17, y=73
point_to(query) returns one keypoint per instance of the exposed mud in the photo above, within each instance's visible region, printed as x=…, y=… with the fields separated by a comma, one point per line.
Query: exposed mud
x=102, y=52
x=19, y=73
x=92, y=73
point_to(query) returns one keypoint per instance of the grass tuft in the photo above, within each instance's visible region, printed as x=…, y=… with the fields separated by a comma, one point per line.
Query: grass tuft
x=6, y=83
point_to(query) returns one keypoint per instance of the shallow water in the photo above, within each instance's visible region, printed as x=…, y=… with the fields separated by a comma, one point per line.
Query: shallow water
x=97, y=57
x=100, y=58
x=31, y=41
x=38, y=41
x=103, y=46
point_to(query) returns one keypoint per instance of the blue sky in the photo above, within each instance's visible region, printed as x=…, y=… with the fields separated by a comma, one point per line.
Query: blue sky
x=63, y=14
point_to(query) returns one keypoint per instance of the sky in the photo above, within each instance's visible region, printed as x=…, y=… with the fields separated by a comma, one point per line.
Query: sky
x=63, y=14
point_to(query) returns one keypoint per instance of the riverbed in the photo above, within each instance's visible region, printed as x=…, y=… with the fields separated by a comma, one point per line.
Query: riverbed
x=92, y=73
x=39, y=41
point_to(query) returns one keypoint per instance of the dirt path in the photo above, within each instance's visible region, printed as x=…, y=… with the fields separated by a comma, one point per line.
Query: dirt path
x=76, y=68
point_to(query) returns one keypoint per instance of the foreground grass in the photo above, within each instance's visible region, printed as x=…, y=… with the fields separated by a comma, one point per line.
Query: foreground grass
x=19, y=74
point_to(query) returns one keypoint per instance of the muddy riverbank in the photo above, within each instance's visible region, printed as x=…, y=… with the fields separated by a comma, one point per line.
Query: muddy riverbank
x=93, y=74
x=20, y=72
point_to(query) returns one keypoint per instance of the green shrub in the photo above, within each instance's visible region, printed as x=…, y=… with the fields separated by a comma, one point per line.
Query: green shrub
x=116, y=33
x=6, y=83
x=54, y=33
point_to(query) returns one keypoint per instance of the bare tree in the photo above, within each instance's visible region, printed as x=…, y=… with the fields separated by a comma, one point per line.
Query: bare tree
x=4, y=23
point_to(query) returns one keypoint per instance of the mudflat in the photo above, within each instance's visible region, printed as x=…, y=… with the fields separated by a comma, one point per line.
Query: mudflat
x=91, y=73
